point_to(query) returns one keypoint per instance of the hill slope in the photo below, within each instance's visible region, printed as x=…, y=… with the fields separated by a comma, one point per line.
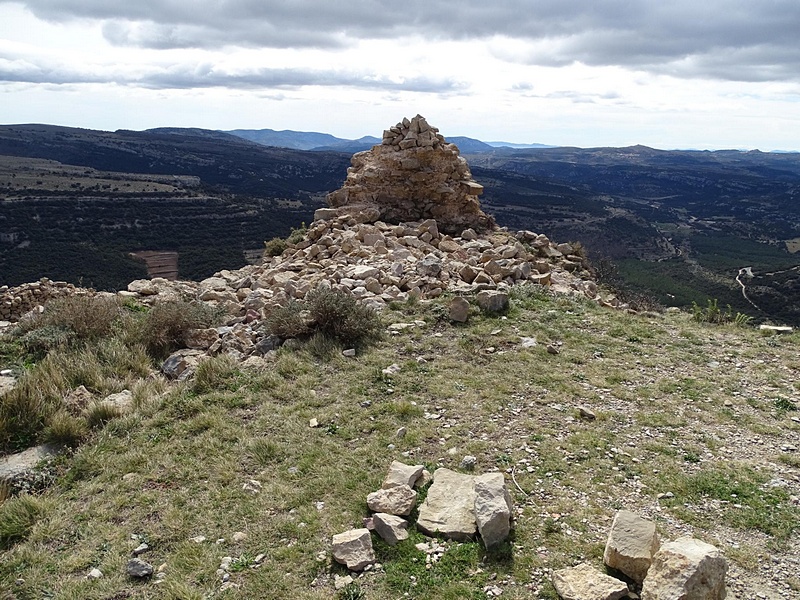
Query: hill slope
x=695, y=430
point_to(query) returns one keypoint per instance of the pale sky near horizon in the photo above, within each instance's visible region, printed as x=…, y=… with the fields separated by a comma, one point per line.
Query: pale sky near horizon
x=663, y=73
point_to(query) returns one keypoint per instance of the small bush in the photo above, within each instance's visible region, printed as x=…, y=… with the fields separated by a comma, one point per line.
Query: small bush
x=73, y=318
x=164, y=328
x=712, y=313
x=290, y=321
x=216, y=373
x=64, y=428
x=338, y=316
x=17, y=518
x=275, y=247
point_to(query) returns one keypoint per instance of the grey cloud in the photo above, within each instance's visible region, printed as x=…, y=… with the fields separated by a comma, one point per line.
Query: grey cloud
x=205, y=75
x=727, y=39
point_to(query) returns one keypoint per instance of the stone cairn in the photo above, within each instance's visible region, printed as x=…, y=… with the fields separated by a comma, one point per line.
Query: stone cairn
x=414, y=174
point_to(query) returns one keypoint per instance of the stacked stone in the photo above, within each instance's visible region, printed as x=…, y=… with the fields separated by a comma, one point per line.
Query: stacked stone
x=19, y=300
x=376, y=264
x=414, y=174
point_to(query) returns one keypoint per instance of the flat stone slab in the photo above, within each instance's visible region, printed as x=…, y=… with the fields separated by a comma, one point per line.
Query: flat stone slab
x=14, y=465
x=449, y=507
x=584, y=582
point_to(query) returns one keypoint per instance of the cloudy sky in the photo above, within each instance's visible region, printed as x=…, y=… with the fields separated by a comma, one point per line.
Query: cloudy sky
x=664, y=73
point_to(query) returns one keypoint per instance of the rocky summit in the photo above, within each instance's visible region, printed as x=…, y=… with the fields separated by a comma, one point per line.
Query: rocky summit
x=414, y=174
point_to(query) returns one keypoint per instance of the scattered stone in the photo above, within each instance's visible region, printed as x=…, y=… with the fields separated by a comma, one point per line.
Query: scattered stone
x=631, y=544
x=95, y=574
x=78, y=399
x=492, y=301
x=528, y=342
x=313, y=423
x=551, y=349
x=396, y=500
x=198, y=539
x=468, y=462
x=391, y=528
x=459, y=309
x=21, y=465
x=140, y=549
x=122, y=402
x=449, y=506
x=586, y=413
x=584, y=582
x=493, y=508
x=392, y=369
x=239, y=536
x=138, y=569
x=253, y=486
x=686, y=568
x=401, y=474
x=339, y=582
x=401, y=433
x=353, y=549
x=350, y=352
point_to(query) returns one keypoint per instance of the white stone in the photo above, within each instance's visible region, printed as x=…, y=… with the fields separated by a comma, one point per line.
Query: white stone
x=449, y=506
x=631, y=544
x=402, y=474
x=584, y=582
x=397, y=500
x=493, y=507
x=391, y=528
x=686, y=569
x=353, y=549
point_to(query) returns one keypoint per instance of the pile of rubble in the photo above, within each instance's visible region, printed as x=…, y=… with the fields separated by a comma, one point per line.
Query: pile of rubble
x=376, y=264
x=19, y=300
x=413, y=175
x=457, y=507
x=684, y=568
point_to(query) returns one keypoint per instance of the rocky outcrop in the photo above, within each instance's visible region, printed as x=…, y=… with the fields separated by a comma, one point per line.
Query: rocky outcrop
x=414, y=174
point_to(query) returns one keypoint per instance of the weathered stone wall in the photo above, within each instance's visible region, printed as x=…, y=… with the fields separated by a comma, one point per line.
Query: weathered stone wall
x=413, y=175
x=16, y=301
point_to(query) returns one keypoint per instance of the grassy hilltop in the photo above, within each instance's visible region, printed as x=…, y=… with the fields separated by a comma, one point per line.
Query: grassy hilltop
x=696, y=428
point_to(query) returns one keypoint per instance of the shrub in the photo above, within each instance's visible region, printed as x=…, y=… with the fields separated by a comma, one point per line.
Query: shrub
x=17, y=518
x=68, y=321
x=164, y=328
x=275, y=247
x=289, y=321
x=100, y=413
x=64, y=428
x=338, y=316
x=712, y=313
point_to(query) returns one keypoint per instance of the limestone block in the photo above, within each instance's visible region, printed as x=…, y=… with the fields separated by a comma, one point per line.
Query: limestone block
x=631, y=544
x=686, y=569
x=459, y=309
x=401, y=474
x=391, y=528
x=397, y=500
x=353, y=549
x=493, y=506
x=449, y=507
x=492, y=301
x=584, y=582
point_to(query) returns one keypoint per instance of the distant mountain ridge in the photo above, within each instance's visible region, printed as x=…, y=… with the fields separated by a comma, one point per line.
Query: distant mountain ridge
x=312, y=140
